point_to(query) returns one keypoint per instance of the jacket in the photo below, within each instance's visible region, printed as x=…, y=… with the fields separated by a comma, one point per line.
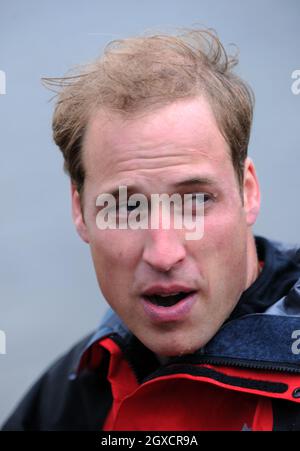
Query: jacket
x=256, y=353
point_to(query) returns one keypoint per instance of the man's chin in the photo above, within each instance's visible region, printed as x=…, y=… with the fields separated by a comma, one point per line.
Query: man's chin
x=165, y=350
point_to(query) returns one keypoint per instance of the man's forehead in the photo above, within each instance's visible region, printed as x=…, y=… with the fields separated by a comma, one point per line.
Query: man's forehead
x=177, y=131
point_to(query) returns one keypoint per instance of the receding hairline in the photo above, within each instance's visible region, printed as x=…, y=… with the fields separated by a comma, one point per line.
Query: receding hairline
x=106, y=116
x=142, y=73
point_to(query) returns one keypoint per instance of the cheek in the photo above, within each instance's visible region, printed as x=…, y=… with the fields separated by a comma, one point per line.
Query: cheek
x=223, y=243
x=114, y=255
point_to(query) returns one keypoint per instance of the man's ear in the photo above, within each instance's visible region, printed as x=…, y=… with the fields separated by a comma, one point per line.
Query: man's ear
x=78, y=215
x=251, y=192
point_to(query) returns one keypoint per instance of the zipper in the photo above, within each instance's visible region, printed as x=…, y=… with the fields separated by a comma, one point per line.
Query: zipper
x=238, y=363
x=199, y=359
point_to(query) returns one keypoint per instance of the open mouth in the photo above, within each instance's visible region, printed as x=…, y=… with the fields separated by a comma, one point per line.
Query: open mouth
x=167, y=300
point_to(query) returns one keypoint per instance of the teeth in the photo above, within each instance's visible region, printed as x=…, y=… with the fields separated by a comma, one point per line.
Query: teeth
x=169, y=294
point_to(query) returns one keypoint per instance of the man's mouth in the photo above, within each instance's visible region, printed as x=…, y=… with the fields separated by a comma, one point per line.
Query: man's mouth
x=167, y=300
x=168, y=304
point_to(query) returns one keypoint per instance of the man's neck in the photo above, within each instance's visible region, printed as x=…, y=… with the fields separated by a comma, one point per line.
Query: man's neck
x=163, y=359
x=253, y=263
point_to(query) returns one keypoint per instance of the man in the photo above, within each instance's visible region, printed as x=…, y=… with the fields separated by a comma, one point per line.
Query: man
x=202, y=333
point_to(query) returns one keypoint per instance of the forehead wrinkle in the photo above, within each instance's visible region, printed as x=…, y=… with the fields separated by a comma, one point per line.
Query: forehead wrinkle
x=146, y=147
x=151, y=162
x=144, y=142
x=166, y=151
x=152, y=166
x=141, y=144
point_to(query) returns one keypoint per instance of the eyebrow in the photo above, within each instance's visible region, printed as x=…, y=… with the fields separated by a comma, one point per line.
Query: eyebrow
x=191, y=181
x=196, y=181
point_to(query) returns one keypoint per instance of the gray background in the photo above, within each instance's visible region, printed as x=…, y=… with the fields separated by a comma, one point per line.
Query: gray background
x=48, y=292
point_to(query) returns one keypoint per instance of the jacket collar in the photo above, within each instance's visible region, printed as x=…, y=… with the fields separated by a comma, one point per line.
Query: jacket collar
x=111, y=325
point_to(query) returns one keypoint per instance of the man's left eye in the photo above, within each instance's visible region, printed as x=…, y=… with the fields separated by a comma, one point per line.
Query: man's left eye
x=124, y=209
x=199, y=197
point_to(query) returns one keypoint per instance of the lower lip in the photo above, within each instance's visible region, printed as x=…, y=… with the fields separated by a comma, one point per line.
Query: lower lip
x=176, y=312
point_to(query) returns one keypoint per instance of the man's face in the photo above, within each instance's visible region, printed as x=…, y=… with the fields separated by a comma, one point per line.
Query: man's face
x=155, y=152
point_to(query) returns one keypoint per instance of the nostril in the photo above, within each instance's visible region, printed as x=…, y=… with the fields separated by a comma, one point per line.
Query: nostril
x=163, y=253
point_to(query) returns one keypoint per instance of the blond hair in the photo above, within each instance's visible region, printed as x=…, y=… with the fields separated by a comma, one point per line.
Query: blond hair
x=142, y=74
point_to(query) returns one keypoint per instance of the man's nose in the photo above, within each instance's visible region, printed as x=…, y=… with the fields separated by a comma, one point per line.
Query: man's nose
x=164, y=249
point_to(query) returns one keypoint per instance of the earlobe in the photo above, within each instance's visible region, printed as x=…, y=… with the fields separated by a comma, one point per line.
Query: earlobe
x=77, y=214
x=251, y=192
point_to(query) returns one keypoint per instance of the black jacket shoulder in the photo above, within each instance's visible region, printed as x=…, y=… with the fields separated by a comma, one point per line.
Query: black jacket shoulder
x=60, y=402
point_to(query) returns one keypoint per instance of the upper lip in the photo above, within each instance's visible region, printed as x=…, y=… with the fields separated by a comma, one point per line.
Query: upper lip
x=167, y=289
